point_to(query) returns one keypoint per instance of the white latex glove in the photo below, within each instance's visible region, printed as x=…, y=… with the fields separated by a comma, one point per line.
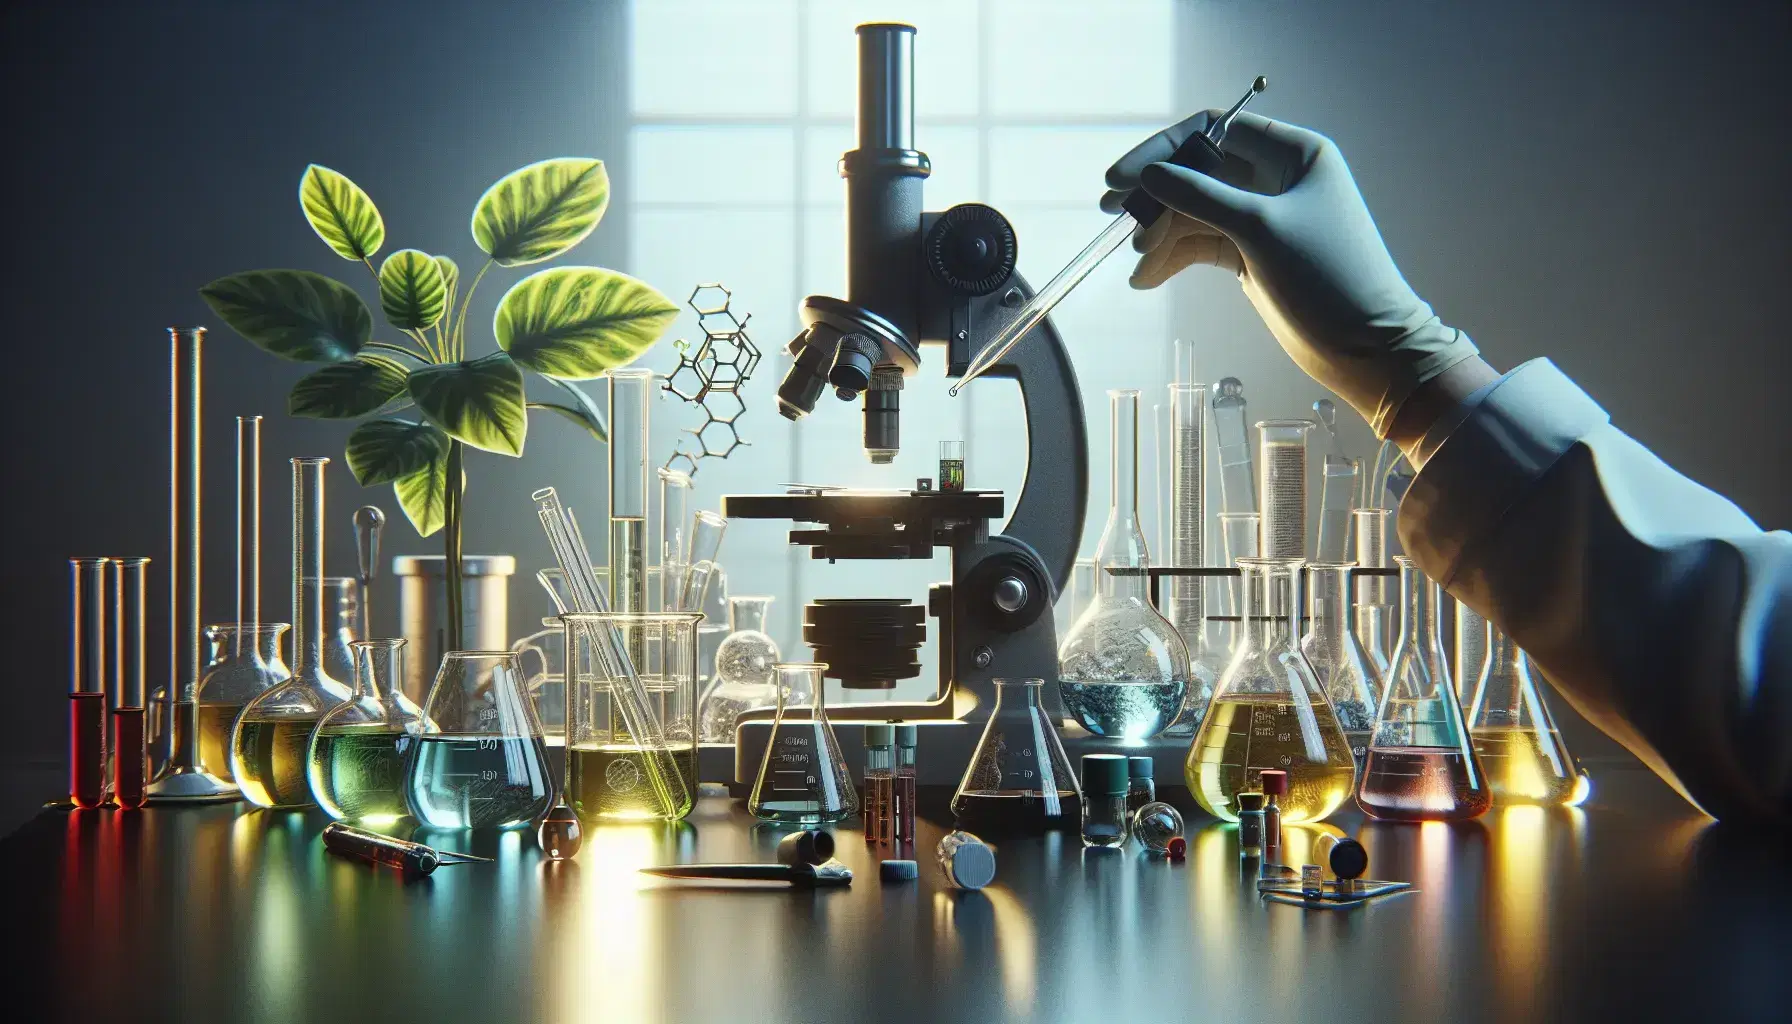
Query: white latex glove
x=1285, y=215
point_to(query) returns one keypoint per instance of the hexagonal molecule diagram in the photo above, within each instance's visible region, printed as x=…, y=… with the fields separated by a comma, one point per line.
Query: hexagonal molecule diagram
x=710, y=376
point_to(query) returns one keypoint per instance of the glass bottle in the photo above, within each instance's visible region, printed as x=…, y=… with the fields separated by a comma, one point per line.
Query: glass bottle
x=803, y=779
x=880, y=779
x=272, y=735
x=1421, y=766
x=248, y=663
x=1123, y=671
x=342, y=608
x=745, y=673
x=1250, y=824
x=479, y=761
x=1348, y=677
x=357, y=752
x=1513, y=733
x=1106, y=822
x=1159, y=828
x=1019, y=780
x=1270, y=712
x=1141, y=782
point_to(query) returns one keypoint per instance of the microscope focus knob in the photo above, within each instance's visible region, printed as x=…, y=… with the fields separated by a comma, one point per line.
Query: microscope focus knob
x=1007, y=592
x=971, y=249
x=1011, y=594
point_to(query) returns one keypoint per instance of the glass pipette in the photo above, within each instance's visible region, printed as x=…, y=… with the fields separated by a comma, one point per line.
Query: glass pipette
x=1199, y=152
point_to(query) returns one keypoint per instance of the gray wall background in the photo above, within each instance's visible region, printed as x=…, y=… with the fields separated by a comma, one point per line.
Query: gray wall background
x=1600, y=182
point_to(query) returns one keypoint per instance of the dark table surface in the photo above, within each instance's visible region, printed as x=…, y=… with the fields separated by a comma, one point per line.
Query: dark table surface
x=1633, y=908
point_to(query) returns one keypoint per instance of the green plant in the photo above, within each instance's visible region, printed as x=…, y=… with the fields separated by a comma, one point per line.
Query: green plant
x=564, y=324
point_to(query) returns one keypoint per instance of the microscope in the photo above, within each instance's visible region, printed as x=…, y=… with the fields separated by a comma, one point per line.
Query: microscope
x=918, y=280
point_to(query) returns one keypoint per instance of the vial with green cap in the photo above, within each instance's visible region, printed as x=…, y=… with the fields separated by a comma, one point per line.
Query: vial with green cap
x=880, y=763
x=1106, y=780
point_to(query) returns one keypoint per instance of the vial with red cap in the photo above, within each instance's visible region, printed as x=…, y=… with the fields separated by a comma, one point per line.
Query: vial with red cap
x=1159, y=828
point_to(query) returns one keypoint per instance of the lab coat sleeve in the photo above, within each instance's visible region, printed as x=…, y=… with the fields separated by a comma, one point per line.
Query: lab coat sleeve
x=1657, y=608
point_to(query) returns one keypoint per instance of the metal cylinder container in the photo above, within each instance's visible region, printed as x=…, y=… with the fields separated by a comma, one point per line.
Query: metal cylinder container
x=423, y=610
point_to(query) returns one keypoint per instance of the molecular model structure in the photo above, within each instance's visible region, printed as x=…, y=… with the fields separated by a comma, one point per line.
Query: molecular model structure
x=710, y=377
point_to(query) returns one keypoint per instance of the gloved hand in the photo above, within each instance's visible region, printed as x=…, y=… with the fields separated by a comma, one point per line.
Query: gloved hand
x=1285, y=215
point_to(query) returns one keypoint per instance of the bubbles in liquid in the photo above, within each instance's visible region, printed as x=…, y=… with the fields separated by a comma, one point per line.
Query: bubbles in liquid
x=1422, y=784
x=746, y=658
x=1131, y=711
x=1242, y=737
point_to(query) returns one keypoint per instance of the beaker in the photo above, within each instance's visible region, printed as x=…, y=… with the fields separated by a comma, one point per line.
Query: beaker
x=1123, y=671
x=1269, y=711
x=951, y=466
x=357, y=752
x=1282, y=462
x=1421, y=766
x=1349, y=679
x=248, y=664
x=272, y=735
x=610, y=772
x=1337, y=490
x=341, y=621
x=745, y=677
x=1238, y=485
x=1374, y=594
x=1513, y=733
x=479, y=761
x=803, y=778
x=1018, y=781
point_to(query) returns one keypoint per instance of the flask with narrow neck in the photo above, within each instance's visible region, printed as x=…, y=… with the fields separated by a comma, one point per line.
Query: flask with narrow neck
x=1348, y=677
x=1269, y=711
x=1123, y=671
x=1019, y=780
x=803, y=779
x=745, y=675
x=1514, y=734
x=1420, y=766
x=271, y=739
x=247, y=664
x=357, y=752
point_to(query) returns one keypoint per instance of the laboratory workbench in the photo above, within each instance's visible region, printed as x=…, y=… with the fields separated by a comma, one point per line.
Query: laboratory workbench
x=1633, y=908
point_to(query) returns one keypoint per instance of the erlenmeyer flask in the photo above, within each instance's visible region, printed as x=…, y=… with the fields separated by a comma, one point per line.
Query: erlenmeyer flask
x=744, y=678
x=247, y=665
x=480, y=761
x=1514, y=734
x=1018, y=781
x=1420, y=765
x=1270, y=712
x=272, y=736
x=1123, y=671
x=803, y=779
x=1350, y=680
x=357, y=752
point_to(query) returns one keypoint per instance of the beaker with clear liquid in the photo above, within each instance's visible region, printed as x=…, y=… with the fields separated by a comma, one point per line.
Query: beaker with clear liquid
x=270, y=742
x=1269, y=711
x=1019, y=780
x=744, y=676
x=612, y=773
x=357, y=752
x=1421, y=766
x=1123, y=671
x=1348, y=677
x=804, y=779
x=480, y=761
x=1514, y=735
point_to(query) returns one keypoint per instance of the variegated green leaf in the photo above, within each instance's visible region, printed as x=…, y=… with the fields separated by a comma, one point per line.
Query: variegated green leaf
x=479, y=401
x=382, y=451
x=424, y=495
x=575, y=323
x=343, y=391
x=294, y=314
x=341, y=214
x=540, y=211
x=413, y=293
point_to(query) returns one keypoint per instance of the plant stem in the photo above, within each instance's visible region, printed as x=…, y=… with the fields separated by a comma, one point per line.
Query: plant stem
x=459, y=335
x=423, y=339
x=451, y=548
x=400, y=349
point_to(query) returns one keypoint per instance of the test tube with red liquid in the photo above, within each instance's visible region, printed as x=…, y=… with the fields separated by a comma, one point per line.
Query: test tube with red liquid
x=87, y=683
x=130, y=752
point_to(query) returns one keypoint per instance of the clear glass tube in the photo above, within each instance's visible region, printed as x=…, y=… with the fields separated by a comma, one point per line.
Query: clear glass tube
x=670, y=546
x=308, y=625
x=1374, y=595
x=1238, y=484
x=1240, y=534
x=1470, y=651
x=702, y=550
x=630, y=389
x=185, y=645
x=130, y=752
x=1351, y=681
x=248, y=522
x=1282, y=463
x=952, y=466
x=1337, y=492
x=87, y=682
x=1182, y=595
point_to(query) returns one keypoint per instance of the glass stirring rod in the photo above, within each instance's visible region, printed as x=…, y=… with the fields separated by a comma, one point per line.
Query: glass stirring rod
x=1199, y=152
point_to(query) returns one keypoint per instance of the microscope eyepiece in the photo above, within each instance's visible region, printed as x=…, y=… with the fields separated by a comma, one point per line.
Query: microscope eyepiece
x=808, y=374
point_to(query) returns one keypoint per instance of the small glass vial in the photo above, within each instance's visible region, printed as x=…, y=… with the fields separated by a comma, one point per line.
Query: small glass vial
x=966, y=861
x=951, y=466
x=1159, y=828
x=880, y=758
x=1141, y=786
x=904, y=787
x=1105, y=821
x=1250, y=824
x=1312, y=883
x=1275, y=787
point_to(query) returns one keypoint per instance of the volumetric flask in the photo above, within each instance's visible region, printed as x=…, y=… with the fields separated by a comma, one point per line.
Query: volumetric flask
x=1420, y=765
x=1018, y=781
x=248, y=664
x=743, y=676
x=1282, y=462
x=612, y=773
x=1514, y=734
x=270, y=742
x=1349, y=679
x=803, y=780
x=358, y=750
x=480, y=761
x=1269, y=711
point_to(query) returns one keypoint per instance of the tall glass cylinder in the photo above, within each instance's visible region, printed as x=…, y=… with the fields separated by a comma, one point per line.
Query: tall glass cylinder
x=1337, y=490
x=1238, y=485
x=87, y=682
x=1122, y=540
x=1241, y=533
x=612, y=773
x=1469, y=651
x=1374, y=594
x=630, y=389
x=1282, y=465
x=130, y=751
x=1188, y=509
x=672, y=544
x=309, y=628
x=248, y=521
